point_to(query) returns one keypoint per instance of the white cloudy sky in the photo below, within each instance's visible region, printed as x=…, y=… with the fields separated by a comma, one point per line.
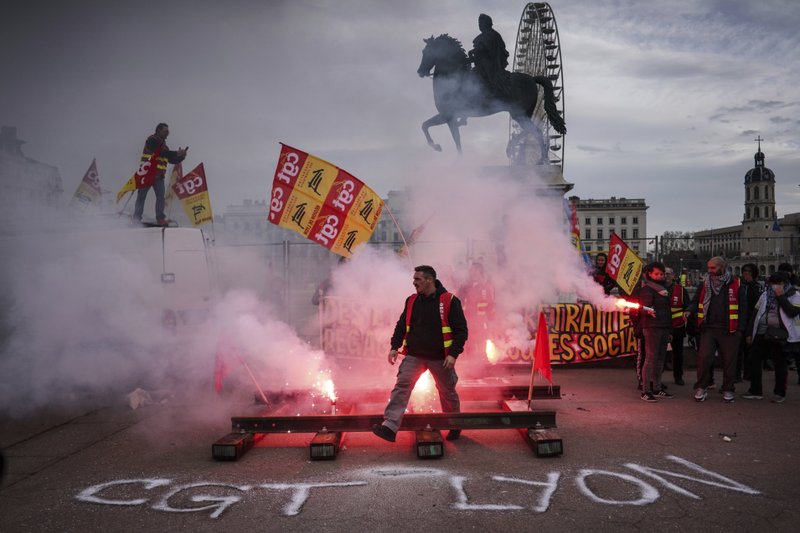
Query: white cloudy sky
x=663, y=99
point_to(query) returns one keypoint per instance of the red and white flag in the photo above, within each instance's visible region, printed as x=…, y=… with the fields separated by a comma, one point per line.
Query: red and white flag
x=146, y=175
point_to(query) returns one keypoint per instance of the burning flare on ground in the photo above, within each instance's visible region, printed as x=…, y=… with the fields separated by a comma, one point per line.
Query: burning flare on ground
x=325, y=389
x=423, y=397
x=491, y=351
x=328, y=390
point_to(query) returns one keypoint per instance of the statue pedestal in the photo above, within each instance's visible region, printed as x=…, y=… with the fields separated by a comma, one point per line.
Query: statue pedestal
x=544, y=180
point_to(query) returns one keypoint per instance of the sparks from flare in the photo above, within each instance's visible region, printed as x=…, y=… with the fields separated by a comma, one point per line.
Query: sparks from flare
x=625, y=304
x=326, y=389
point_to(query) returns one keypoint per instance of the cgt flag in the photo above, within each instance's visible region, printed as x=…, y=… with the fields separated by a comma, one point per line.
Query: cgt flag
x=623, y=265
x=88, y=190
x=322, y=202
x=571, y=210
x=144, y=177
x=129, y=186
x=192, y=191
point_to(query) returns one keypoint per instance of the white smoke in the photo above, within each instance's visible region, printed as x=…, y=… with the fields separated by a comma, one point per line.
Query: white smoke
x=84, y=309
x=83, y=313
x=514, y=228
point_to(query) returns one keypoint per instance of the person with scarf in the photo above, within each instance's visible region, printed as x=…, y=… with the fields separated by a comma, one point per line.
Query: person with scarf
x=722, y=318
x=656, y=326
x=769, y=329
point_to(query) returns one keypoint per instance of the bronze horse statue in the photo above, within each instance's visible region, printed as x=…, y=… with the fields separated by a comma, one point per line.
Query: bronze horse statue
x=459, y=93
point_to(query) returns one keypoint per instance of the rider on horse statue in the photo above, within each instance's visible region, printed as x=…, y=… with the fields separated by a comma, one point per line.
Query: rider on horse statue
x=491, y=59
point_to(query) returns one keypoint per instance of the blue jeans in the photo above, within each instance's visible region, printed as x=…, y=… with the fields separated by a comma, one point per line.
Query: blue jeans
x=141, y=196
x=411, y=368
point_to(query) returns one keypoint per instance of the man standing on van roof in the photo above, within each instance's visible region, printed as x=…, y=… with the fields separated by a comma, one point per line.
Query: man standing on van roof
x=157, y=141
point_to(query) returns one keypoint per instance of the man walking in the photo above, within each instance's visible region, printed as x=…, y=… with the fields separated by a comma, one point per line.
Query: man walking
x=431, y=332
x=722, y=319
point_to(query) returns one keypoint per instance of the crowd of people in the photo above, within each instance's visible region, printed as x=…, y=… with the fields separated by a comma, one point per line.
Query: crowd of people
x=733, y=322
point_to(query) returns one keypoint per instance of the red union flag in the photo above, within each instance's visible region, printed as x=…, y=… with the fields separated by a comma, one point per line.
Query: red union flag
x=322, y=202
x=623, y=265
x=145, y=176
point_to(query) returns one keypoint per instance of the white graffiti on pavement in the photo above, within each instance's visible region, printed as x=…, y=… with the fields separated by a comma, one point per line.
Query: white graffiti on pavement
x=301, y=492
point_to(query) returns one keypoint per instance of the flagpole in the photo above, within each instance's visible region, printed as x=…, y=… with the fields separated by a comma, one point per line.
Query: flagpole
x=386, y=206
x=255, y=382
x=533, y=373
x=130, y=195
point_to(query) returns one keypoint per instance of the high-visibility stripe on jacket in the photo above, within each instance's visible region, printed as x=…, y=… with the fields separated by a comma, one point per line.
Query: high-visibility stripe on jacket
x=161, y=161
x=444, y=311
x=676, y=306
x=733, y=305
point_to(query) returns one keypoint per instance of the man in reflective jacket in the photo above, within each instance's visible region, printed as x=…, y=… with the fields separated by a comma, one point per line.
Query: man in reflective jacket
x=158, y=142
x=431, y=332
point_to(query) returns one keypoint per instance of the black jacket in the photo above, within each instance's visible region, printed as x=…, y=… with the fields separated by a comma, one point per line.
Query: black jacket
x=425, y=338
x=171, y=156
x=649, y=296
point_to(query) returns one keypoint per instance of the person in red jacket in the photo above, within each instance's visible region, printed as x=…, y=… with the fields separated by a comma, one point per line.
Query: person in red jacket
x=679, y=309
x=722, y=319
x=431, y=333
x=478, y=301
x=157, y=142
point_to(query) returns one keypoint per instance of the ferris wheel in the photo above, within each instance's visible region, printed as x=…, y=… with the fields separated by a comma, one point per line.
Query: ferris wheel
x=538, y=53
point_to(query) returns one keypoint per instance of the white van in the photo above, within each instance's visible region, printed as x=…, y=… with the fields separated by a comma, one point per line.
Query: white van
x=159, y=271
x=92, y=310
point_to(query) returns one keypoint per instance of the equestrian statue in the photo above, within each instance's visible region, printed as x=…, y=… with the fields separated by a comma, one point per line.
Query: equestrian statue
x=460, y=91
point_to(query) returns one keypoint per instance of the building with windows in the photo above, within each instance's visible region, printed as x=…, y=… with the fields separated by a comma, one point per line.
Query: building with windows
x=761, y=238
x=599, y=218
x=29, y=190
x=395, y=204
